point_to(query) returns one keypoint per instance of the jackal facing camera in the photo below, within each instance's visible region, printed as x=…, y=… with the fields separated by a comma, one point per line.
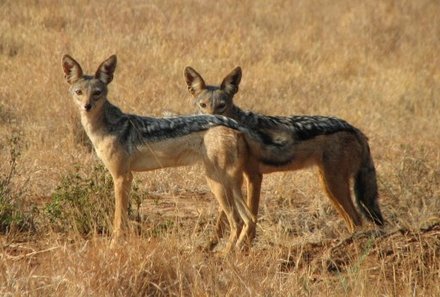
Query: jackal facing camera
x=338, y=149
x=127, y=143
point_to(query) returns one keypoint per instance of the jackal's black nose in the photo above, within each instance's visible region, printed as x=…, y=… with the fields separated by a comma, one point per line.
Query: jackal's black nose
x=88, y=106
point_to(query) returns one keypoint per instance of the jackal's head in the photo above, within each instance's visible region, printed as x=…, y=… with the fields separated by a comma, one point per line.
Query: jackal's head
x=213, y=99
x=89, y=92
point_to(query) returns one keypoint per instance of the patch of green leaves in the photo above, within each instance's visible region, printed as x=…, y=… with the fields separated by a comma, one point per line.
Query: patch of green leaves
x=85, y=202
x=13, y=216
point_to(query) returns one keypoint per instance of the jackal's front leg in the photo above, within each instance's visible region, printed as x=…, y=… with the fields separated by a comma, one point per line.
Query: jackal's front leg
x=122, y=186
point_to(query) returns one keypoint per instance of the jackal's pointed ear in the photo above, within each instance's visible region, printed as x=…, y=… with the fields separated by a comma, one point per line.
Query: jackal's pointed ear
x=194, y=81
x=72, y=70
x=232, y=81
x=106, y=69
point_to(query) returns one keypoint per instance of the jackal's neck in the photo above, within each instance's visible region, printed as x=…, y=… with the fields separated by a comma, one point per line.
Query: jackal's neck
x=244, y=117
x=95, y=122
x=237, y=113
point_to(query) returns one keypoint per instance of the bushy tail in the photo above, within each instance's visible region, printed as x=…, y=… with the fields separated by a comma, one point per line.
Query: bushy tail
x=244, y=210
x=274, y=149
x=269, y=147
x=365, y=188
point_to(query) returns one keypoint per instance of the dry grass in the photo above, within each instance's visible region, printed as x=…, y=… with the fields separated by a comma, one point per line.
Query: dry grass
x=374, y=63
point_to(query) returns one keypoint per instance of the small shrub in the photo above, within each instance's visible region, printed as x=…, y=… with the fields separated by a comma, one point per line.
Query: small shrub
x=13, y=217
x=85, y=203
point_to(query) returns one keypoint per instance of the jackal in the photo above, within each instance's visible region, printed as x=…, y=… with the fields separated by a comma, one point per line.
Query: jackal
x=128, y=143
x=338, y=149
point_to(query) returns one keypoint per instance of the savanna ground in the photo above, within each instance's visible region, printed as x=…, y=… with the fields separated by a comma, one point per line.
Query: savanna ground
x=373, y=63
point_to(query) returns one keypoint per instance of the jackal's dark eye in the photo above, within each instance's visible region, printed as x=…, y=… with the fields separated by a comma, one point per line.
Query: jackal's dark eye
x=221, y=105
x=97, y=93
x=203, y=105
x=78, y=92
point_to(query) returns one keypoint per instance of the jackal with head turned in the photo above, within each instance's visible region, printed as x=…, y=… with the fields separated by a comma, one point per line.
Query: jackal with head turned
x=127, y=143
x=338, y=149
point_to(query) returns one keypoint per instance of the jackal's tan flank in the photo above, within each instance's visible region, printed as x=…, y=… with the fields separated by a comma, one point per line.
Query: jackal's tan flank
x=340, y=150
x=127, y=143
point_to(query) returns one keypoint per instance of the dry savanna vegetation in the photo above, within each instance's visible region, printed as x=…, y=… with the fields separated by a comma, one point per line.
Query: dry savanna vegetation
x=373, y=63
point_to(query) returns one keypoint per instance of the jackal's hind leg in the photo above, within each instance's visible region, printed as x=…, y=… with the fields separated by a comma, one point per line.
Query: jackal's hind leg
x=249, y=220
x=253, y=192
x=338, y=190
x=253, y=186
x=224, y=196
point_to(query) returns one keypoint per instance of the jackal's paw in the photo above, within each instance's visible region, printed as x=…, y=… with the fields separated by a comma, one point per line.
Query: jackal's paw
x=117, y=241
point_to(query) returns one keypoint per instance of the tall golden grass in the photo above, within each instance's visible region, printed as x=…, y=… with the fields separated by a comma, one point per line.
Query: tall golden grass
x=373, y=63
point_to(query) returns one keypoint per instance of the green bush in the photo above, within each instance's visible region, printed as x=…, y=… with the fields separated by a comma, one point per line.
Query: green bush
x=85, y=202
x=13, y=216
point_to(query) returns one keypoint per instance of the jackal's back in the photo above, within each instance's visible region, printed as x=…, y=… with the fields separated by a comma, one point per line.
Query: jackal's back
x=134, y=131
x=301, y=127
x=279, y=135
